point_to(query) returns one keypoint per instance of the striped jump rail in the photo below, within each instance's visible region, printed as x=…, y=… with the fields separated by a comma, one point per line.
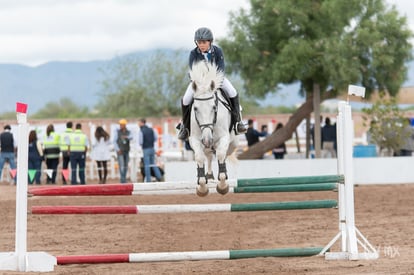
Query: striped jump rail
x=187, y=256
x=182, y=208
x=167, y=188
x=290, y=180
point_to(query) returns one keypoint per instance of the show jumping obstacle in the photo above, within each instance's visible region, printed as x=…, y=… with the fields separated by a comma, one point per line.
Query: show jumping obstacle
x=303, y=184
x=183, y=208
x=22, y=260
x=188, y=256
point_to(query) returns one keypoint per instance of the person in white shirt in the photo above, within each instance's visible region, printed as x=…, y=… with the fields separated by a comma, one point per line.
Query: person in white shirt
x=101, y=152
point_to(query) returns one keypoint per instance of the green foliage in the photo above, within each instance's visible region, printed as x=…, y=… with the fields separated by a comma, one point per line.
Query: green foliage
x=8, y=115
x=65, y=108
x=138, y=88
x=331, y=43
x=387, y=124
x=258, y=110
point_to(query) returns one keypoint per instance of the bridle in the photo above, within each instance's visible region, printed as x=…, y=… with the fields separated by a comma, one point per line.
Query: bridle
x=208, y=125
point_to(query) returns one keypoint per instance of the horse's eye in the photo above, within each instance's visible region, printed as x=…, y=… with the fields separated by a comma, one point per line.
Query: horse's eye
x=195, y=109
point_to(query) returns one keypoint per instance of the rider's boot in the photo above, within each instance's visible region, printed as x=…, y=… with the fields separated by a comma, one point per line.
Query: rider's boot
x=184, y=126
x=240, y=127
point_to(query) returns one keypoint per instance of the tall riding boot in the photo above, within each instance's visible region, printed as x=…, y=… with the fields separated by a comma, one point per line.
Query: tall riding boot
x=185, y=124
x=239, y=126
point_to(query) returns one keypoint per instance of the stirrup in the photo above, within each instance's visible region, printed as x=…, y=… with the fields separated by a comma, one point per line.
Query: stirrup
x=240, y=128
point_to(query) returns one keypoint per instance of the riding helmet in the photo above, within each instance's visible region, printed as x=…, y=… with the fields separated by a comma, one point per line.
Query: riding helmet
x=203, y=34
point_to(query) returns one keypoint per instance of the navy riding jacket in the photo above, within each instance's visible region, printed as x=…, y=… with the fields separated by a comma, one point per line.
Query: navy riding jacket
x=215, y=56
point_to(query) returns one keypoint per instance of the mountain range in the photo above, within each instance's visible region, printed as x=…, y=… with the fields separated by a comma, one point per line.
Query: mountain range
x=81, y=82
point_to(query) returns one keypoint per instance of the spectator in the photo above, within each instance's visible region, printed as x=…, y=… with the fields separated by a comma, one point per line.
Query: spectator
x=252, y=135
x=101, y=152
x=8, y=150
x=35, y=157
x=147, y=138
x=328, y=138
x=77, y=151
x=51, y=149
x=265, y=129
x=280, y=151
x=64, y=147
x=122, y=141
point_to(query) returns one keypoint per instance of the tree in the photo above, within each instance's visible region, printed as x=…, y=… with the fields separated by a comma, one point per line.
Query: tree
x=323, y=44
x=65, y=108
x=136, y=87
x=387, y=124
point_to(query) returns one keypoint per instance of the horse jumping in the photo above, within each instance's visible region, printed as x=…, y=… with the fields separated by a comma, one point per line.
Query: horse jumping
x=211, y=126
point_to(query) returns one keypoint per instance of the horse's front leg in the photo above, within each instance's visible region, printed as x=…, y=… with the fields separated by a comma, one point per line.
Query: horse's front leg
x=221, y=153
x=222, y=186
x=202, y=188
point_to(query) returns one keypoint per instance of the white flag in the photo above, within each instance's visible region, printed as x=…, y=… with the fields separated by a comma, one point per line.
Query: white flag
x=356, y=90
x=48, y=172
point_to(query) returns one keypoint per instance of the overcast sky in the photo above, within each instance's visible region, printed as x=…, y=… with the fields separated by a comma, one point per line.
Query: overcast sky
x=33, y=32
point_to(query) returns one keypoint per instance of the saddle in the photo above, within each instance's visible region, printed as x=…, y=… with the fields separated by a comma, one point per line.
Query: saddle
x=229, y=106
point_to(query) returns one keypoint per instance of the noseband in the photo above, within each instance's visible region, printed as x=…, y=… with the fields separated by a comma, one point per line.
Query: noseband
x=208, y=125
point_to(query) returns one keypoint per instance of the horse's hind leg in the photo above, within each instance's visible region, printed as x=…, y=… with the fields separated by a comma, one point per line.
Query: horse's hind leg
x=222, y=187
x=209, y=174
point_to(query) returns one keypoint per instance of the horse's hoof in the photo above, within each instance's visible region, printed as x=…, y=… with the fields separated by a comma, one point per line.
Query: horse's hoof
x=224, y=190
x=202, y=194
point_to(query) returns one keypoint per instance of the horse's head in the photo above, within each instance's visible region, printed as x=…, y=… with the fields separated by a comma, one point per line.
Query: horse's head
x=206, y=80
x=205, y=114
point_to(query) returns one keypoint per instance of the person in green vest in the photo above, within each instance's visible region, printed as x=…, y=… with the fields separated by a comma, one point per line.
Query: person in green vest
x=77, y=151
x=64, y=146
x=51, y=151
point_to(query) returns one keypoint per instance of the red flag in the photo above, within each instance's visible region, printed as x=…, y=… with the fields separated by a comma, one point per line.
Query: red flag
x=21, y=107
x=13, y=173
x=65, y=173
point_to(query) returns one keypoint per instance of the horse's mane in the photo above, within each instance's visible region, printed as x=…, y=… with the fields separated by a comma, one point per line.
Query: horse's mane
x=206, y=77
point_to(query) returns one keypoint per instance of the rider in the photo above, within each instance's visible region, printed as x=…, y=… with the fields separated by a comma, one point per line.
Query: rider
x=205, y=50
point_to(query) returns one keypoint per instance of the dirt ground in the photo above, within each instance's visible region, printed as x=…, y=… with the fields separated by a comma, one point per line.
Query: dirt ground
x=384, y=214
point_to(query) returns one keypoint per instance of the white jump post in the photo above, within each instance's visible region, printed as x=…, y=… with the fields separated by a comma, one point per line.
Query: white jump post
x=21, y=260
x=347, y=228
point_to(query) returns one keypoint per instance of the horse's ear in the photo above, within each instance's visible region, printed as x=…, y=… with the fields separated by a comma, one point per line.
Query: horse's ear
x=194, y=86
x=212, y=85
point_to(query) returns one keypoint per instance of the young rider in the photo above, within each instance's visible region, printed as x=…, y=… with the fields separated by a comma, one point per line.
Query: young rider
x=206, y=51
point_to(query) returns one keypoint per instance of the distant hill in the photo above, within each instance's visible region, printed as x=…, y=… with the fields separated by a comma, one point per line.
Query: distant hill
x=80, y=81
x=49, y=82
x=36, y=86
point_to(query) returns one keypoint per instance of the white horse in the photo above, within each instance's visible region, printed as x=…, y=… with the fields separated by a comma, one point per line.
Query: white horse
x=211, y=130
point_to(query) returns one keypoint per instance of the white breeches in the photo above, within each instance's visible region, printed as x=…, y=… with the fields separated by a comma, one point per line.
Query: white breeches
x=226, y=86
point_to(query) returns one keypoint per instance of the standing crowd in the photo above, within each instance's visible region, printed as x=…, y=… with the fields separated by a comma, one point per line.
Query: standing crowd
x=72, y=147
x=253, y=136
